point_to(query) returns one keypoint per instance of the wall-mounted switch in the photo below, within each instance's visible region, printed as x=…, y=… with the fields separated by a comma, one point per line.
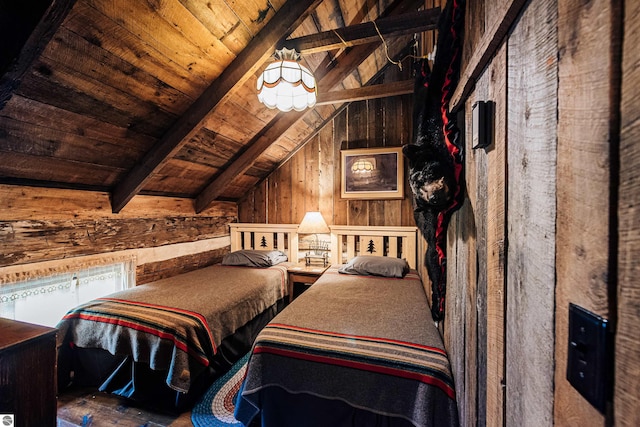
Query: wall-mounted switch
x=481, y=124
x=588, y=357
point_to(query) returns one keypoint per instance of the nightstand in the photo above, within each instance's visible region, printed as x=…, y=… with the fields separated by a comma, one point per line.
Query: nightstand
x=305, y=274
x=28, y=373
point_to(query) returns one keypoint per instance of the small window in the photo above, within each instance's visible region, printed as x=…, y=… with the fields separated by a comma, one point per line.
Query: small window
x=45, y=300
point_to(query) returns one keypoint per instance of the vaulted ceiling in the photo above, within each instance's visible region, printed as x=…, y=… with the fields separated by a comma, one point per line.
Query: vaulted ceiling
x=158, y=96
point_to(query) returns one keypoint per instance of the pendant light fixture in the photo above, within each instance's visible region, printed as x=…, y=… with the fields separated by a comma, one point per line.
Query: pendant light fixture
x=285, y=84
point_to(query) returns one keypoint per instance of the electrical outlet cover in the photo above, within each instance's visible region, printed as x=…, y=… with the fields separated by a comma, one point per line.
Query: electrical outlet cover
x=588, y=362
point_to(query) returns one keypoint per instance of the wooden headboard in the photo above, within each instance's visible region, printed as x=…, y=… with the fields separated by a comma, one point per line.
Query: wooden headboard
x=348, y=241
x=282, y=237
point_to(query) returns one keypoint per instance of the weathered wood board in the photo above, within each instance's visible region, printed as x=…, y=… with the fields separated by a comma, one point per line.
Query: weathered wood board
x=585, y=113
x=531, y=213
x=310, y=180
x=76, y=223
x=627, y=347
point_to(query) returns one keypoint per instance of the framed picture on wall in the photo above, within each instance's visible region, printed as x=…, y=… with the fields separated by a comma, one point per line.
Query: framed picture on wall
x=372, y=173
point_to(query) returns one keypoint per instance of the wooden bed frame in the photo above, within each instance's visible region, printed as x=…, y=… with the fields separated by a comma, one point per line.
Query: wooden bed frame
x=379, y=326
x=282, y=237
x=347, y=241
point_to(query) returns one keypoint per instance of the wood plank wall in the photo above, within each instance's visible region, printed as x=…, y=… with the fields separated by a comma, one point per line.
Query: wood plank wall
x=627, y=348
x=531, y=215
x=55, y=225
x=539, y=227
x=310, y=179
x=587, y=144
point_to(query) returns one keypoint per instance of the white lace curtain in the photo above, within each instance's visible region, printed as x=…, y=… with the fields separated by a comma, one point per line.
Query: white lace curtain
x=44, y=296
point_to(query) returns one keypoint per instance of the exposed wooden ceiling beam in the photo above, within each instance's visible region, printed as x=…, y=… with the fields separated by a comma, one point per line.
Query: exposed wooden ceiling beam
x=259, y=49
x=407, y=23
x=366, y=92
x=326, y=77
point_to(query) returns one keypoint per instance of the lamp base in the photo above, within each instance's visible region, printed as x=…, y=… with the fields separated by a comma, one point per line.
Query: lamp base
x=311, y=258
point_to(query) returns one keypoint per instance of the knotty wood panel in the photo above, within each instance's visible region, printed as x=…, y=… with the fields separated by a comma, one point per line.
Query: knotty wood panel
x=474, y=321
x=468, y=271
x=627, y=351
x=23, y=241
x=152, y=271
x=328, y=166
x=310, y=180
x=46, y=224
x=340, y=205
x=531, y=213
x=113, y=36
x=585, y=112
x=460, y=315
x=298, y=187
x=495, y=78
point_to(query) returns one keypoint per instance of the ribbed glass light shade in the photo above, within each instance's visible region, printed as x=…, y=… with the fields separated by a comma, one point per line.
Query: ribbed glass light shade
x=287, y=85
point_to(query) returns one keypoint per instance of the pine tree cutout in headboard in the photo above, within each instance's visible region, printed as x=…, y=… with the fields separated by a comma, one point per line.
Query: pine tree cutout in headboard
x=371, y=248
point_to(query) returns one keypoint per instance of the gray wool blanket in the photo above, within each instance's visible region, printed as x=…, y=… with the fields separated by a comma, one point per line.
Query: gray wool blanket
x=175, y=324
x=364, y=340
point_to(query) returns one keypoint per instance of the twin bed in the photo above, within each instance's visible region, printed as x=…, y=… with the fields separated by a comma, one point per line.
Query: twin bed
x=357, y=348
x=163, y=343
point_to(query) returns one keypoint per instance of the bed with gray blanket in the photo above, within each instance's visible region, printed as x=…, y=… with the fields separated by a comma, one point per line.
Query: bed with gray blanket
x=164, y=342
x=355, y=349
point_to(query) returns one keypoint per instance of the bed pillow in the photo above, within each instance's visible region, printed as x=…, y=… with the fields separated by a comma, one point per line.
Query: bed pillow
x=376, y=266
x=254, y=258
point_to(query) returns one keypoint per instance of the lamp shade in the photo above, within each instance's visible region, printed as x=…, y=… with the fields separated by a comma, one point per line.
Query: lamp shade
x=285, y=84
x=313, y=223
x=362, y=166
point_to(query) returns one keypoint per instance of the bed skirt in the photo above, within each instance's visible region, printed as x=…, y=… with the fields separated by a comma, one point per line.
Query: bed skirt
x=121, y=375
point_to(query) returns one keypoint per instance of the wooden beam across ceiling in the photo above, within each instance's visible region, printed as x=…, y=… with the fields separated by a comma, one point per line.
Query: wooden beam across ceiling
x=259, y=49
x=366, y=92
x=327, y=75
x=407, y=23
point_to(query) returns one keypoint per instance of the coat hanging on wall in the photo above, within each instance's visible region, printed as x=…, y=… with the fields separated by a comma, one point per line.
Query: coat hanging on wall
x=435, y=154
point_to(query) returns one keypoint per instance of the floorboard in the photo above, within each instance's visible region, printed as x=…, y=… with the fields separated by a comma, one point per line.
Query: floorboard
x=87, y=407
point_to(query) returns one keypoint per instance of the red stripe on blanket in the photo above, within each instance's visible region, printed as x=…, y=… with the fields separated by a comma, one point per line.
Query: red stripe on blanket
x=192, y=314
x=164, y=335
x=358, y=365
x=359, y=337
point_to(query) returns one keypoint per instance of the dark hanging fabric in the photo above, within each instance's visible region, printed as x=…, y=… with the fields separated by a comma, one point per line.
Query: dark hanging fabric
x=435, y=154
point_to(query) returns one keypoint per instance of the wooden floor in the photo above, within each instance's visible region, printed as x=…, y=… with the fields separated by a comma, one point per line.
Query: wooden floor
x=87, y=407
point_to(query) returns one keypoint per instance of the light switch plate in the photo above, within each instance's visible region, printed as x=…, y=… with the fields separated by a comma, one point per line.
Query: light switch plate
x=588, y=361
x=481, y=124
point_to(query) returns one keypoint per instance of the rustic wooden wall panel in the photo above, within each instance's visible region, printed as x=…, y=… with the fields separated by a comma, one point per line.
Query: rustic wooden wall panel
x=459, y=324
x=495, y=78
x=531, y=214
x=298, y=187
x=340, y=205
x=627, y=351
x=583, y=224
x=327, y=173
x=357, y=137
x=310, y=180
x=476, y=347
x=152, y=271
x=470, y=250
x=474, y=322
x=77, y=223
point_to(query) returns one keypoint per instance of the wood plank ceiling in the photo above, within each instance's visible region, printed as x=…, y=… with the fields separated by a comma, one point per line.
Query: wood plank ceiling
x=158, y=96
